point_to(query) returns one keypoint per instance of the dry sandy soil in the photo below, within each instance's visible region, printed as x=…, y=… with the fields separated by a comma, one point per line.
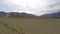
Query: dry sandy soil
x=29, y=26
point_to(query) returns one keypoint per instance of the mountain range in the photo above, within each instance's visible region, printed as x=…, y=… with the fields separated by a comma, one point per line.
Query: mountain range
x=57, y=14
x=17, y=13
x=52, y=14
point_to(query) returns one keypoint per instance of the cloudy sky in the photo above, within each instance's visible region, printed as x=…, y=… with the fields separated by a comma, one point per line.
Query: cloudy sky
x=36, y=7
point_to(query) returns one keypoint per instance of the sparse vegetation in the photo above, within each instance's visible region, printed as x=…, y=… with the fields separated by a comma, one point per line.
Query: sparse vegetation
x=12, y=29
x=29, y=26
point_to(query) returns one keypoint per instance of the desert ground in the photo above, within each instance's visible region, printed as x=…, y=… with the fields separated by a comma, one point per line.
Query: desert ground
x=29, y=26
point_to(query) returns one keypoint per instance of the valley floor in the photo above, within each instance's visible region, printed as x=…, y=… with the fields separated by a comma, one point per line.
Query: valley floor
x=29, y=26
